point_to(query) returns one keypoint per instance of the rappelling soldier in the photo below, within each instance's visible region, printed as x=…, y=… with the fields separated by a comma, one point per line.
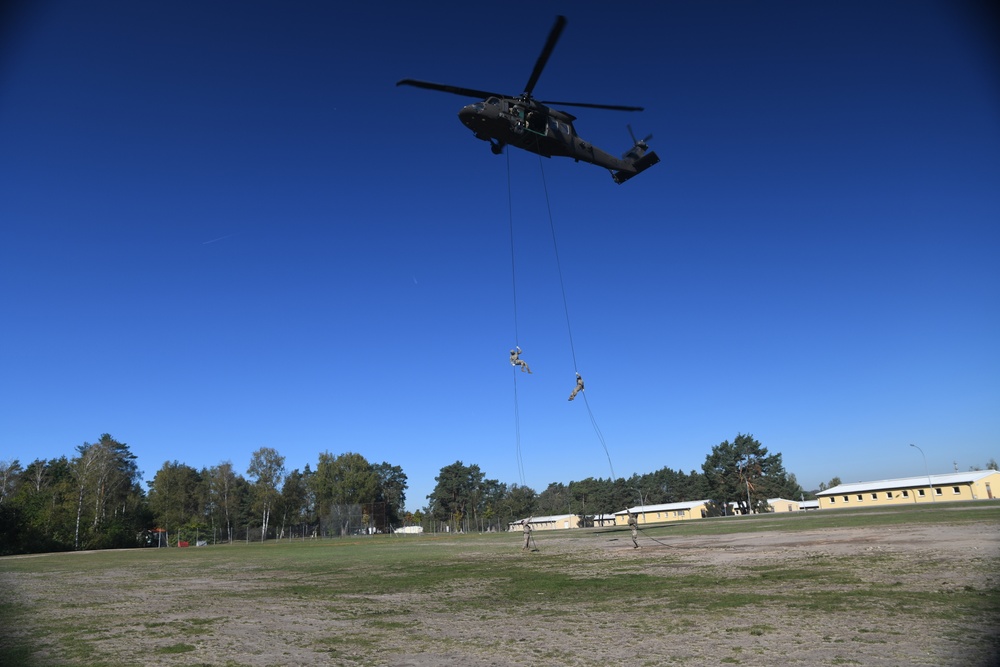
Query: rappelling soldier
x=578, y=388
x=516, y=360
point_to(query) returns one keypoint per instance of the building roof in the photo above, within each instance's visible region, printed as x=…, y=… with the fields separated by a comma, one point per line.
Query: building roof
x=687, y=505
x=909, y=482
x=546, y=519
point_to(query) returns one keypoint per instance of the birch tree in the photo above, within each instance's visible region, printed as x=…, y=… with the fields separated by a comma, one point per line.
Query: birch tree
x=9, y=472
x=106, y=477
x=222, y=488
x=267, y=468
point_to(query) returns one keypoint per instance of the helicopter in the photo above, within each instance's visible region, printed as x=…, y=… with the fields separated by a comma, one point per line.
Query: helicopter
x=532, y=125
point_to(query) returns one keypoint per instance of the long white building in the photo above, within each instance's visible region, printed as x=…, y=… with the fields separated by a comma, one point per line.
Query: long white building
x=977, y=485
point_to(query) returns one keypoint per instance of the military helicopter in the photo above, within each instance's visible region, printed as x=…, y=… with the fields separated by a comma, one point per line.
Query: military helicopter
x=527, y=123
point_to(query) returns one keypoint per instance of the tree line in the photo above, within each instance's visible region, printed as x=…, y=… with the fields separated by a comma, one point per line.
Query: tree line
x=94, y=499
x=736, y=476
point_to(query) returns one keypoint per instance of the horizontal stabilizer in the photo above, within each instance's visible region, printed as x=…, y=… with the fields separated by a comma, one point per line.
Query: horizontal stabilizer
x=639, y=166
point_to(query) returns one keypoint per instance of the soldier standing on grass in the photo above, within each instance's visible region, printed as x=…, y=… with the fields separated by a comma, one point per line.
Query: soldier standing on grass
x=634, y=526
x=526, y=527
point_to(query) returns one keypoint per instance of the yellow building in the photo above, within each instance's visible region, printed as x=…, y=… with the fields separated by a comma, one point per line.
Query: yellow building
x=782, y=505
x=978, y=485
x=692, y=509
x=555, y=522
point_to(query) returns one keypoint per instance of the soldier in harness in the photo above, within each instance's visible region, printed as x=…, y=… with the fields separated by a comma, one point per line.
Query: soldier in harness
x=578, y=388
x=516, y=360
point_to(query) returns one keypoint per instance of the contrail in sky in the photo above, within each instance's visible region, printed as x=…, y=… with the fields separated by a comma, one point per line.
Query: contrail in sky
x=221, y=238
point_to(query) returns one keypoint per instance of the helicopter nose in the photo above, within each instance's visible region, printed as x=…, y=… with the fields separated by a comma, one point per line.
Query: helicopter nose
x=468, y=114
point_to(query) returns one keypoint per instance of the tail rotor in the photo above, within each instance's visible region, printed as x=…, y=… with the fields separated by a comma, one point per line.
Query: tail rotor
x=637, y=159
x=638, y=143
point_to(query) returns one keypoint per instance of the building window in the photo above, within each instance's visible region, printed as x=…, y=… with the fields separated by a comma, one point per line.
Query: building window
x=955, y=490
x=906, y=493
x=847, y=499
x=888, y=495
x=937, y=491
x=874, y=496
x=833, y=499
x=920, y=493
x=860, y=498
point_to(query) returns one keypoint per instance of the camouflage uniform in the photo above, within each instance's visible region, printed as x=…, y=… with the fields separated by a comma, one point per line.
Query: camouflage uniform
x=634, y=525
x=578, y=388
x=515, y=360
x=526, y=527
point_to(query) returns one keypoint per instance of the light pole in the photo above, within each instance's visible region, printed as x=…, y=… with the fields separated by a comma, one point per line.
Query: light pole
x=929, y=483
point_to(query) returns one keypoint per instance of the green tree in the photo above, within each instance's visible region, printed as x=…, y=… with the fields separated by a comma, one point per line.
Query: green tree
x=823, y=486
x=521, y=501
x=554, y=500
x=296, y=500
x=594, y=496
x=45, y=508
x=391, y=493
x=342, y=485
x=455, y=495
x=787, y=488
x=174, y=497
x=222, y=492
x=110, y=502
x=267, y=469
x=742, y=472
x=671, y=486
x=10, y=473
x=492, y=507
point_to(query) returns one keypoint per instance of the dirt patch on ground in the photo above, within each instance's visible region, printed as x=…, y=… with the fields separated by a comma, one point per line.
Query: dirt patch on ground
x=924, y=595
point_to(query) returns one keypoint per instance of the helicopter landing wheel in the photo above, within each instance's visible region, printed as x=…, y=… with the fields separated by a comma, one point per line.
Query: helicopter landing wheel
x=496, y=148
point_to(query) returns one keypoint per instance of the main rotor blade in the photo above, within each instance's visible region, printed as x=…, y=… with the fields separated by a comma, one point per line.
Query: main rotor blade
x=543, y=58
x=456, y=90
x=613, y=107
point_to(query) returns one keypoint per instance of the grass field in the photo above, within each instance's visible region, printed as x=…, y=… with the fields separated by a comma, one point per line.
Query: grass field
x=901, y=586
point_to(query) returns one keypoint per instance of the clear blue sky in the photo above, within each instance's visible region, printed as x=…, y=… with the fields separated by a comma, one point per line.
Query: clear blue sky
x=224, y=227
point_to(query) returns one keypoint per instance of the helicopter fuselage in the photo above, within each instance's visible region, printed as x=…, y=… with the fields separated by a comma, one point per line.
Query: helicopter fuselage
x=532, y=127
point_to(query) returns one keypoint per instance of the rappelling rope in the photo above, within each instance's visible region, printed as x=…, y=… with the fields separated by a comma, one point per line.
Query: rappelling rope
x=569, y=328
x=600, y=436
x=643, y=505
x=651, y=537
x=555, y=248
x=514, y=369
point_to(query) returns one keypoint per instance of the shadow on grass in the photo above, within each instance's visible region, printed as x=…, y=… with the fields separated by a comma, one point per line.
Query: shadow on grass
x=16, y=647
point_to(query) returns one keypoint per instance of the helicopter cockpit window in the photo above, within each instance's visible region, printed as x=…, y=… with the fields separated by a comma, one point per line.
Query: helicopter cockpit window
x=493, y=101
x=559, y=126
